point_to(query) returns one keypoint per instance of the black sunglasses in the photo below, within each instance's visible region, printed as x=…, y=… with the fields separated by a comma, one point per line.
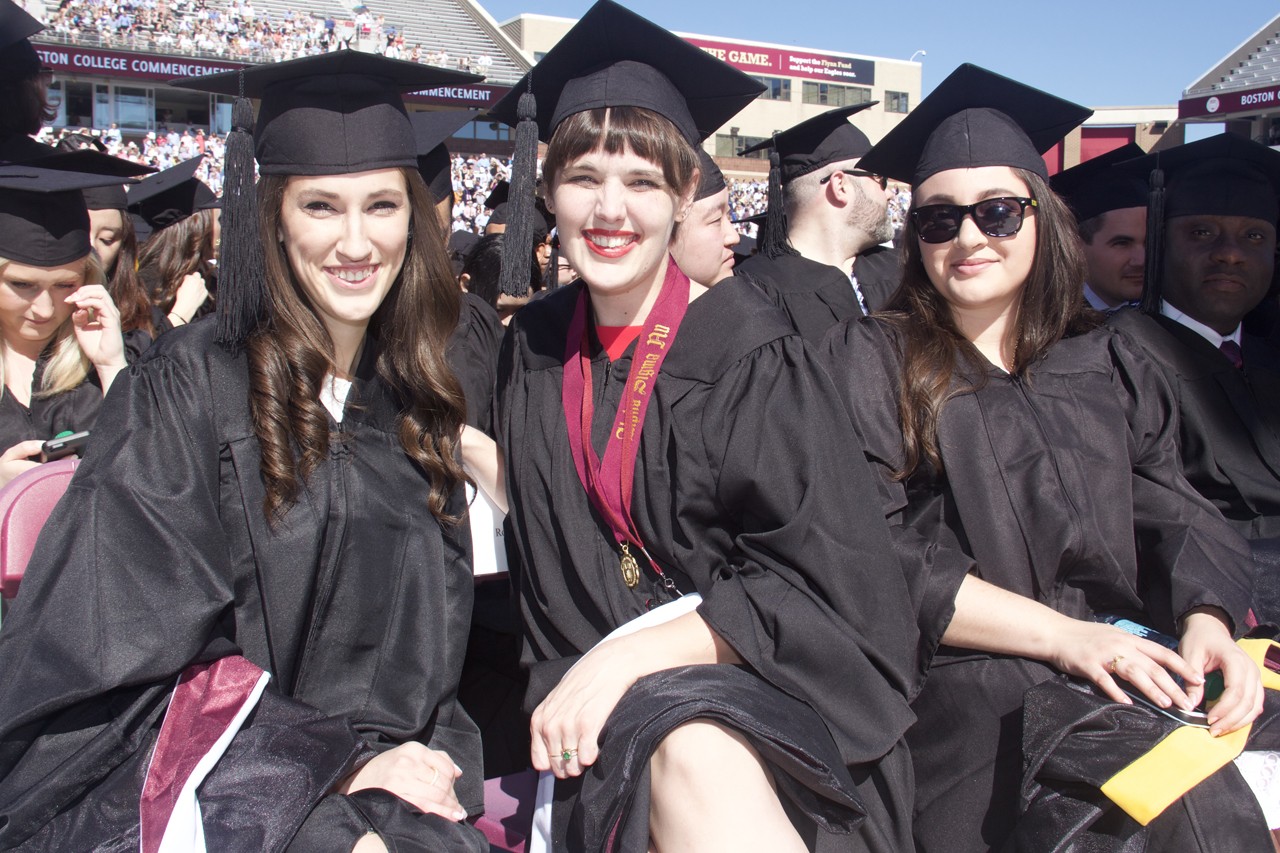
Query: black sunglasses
x=995, y=217
x=858, y=173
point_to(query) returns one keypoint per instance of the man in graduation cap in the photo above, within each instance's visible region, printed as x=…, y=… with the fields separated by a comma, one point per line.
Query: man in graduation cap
x=821, y=258
x=1210, y=261
x=1111, y=212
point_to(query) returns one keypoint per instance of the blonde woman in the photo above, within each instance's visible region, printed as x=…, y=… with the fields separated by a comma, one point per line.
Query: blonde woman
x=60, y=341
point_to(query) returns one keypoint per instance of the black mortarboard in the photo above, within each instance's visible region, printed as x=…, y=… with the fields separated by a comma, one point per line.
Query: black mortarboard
x=1097, y=186
x=1223, y=175
x=91, y=161
x=611, y=57
x=817, y=142
x=18, y=59
x=800, y=150
x=43, y=218
x=168, y=197
x=712, y=179
x=332, y=114
x=614, y=58
x=975, y=118
x=431, y=131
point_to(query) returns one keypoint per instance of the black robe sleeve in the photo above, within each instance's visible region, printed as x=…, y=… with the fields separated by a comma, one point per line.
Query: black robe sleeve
x=864, y=360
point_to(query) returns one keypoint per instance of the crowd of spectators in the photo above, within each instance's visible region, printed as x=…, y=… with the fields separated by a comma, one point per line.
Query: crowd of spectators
x=750, y=198
x=238, y=31
x=159, y=149
x=474, y=178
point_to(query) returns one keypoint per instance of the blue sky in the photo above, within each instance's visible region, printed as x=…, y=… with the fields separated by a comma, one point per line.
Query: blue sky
x=1096, y=52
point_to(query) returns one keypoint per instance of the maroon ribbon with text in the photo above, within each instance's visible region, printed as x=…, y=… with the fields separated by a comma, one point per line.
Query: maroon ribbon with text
x=609, y=480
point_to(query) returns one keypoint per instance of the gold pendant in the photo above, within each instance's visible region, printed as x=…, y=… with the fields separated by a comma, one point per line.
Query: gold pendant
x=630, y=568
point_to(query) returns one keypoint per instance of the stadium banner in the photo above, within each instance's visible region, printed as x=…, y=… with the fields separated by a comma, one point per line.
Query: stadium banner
x=785, y=62
x=71, y=59
x=1263, y=99
x=74, y=60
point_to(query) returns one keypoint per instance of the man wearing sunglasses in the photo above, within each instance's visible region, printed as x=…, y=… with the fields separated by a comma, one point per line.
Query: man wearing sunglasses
x=821, y=258
x=1218, y=263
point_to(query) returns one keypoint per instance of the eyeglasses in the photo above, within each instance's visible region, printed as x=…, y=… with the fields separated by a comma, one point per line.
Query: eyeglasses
x=995, y=217
x=858, y=173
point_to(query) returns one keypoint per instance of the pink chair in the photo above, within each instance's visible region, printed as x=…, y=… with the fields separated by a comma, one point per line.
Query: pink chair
x=508, y=810
x=25, y=505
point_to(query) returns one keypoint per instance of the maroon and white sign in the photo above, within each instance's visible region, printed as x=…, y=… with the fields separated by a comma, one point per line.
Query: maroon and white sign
x=68, y=59
x=784, y=62
x=1224, y=104
x=477, y=95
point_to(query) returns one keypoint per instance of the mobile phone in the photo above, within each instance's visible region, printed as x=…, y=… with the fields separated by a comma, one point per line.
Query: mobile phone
x=1213, y=683
x=64, y=445
x=1195, y=717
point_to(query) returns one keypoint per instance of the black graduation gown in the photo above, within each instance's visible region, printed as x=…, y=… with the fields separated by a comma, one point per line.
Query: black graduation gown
x=879, y=272
x=1228, y=419
x=473, y=356
x=356, y=602
x=814, y=296
x=1063, y=487
x=745, y=491
x=75, y=410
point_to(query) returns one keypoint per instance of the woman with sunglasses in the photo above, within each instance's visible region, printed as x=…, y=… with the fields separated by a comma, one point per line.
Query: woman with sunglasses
x=1029, y=466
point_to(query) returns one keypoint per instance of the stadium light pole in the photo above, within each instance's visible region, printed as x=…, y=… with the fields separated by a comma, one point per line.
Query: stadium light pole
x=918, y=53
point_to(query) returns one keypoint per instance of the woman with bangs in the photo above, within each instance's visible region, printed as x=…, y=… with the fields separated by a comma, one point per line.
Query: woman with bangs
x=272, y=498
x=1030, y=475
x=685, y=508
x=60, y=342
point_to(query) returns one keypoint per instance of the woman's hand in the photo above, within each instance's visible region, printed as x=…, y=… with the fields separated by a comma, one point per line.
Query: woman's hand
x=574, y=713
x=17, y=459
x=1207, y=646
x=1104, y=653
x=191, y=294
x=97, y=326
x=418, y=775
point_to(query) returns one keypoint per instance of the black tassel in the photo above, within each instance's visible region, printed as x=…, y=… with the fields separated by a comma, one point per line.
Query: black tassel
x=241, y=263
x=552, y=279
x=773, y=235
x=1155, y=244
x=517, y=241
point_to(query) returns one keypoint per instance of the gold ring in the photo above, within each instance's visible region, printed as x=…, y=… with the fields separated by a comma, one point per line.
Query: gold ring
x=1111, y=667
x=435, y=775
x=567, y=754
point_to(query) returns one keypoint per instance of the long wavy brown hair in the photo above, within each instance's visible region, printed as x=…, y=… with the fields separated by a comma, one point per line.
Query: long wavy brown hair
x=176, y=251
x=291, y=354
x=125, y=285
x=1052, y=307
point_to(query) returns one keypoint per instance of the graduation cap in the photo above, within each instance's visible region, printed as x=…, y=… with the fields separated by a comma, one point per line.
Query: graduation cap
x=975, y=118
x=712, y=179
x=18, y=59
x=43, y=218
x=91, y=161
x=333, y=114
x=1097, y=186
x=800, y=150
x=431, y=130
x=168, y=197
x=1223, y=175
x=611, y=57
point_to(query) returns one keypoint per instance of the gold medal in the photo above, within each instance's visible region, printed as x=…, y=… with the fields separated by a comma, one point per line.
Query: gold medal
x=630, y=568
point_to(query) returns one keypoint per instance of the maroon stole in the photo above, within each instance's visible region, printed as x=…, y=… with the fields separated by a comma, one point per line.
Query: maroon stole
x=609, y=481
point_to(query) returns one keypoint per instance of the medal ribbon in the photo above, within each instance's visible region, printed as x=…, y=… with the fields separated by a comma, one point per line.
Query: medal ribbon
x=609, y=480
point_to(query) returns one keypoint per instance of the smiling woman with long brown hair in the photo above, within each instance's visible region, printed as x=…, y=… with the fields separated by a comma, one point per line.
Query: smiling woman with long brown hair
x=276, y=493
